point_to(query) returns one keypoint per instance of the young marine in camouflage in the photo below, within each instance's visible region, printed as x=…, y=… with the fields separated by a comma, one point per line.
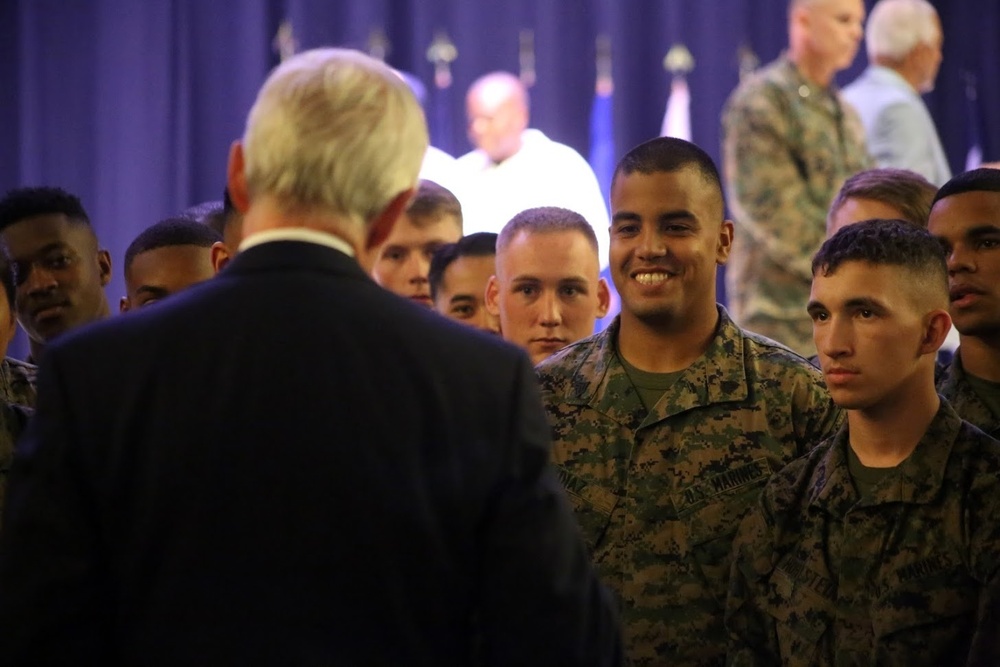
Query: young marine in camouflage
x=882, y=545
x=789, y=142
x=965, y=218
x=660, y=484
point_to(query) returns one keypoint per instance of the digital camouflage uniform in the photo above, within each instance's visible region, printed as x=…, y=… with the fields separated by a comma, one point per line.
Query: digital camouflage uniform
x=788, y=145
x=659, y=494
x=951, y=384
x=17, y=382
x=909, y=576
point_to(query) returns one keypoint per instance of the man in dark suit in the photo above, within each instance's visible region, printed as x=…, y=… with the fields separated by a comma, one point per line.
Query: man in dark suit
x=287, y=464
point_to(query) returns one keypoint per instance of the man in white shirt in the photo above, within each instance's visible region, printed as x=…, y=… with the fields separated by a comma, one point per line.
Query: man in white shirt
x=514, y=168
x=904, y=51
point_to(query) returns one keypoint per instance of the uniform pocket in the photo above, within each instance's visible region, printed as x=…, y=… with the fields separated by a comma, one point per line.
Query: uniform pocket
x=593, y=506
x=929, y=620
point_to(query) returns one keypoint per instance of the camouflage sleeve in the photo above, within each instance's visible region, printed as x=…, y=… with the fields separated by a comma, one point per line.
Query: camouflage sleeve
x=767, y=193
x=817, y=417
x=752, y=634
x=985, y=647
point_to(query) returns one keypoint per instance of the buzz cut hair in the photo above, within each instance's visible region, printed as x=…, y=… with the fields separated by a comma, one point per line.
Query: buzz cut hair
x=546, y=220
x=22, y=203
x=168, y=233
x=431, y=202
x=479, y=244
x=983, y=179
x=670, y=155
x=906, y=191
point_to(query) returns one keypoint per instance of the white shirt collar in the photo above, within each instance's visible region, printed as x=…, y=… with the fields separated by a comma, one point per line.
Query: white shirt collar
x=298, y=234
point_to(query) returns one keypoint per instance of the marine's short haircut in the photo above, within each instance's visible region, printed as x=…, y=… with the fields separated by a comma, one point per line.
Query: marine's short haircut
x=885, y=243
x=545, y=220
x=334, y=131
x=479, y=244
x=171, y=232
x=668, y=155
x=907, y=191
x=430, y=202
x=21, y=203
x=977, y=180
x=895, y=27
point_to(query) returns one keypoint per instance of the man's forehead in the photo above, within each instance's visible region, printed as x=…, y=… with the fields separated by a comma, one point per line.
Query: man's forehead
x=406, y=231
x=41, y=232
x=964, y=210
x=157, y=264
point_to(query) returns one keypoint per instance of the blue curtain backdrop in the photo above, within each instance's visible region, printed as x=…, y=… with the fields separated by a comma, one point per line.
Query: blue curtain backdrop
x=132, y=105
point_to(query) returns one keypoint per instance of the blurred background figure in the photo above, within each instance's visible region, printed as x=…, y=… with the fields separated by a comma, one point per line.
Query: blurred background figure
x=904, y=42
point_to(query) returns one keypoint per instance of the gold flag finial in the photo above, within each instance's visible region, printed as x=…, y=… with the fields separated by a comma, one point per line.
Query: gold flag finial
x=527, y=57
x=678, y=60
x=378, y=44
x=284, y=43
x=442, y=53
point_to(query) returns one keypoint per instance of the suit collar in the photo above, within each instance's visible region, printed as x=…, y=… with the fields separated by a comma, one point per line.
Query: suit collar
x=294, y=256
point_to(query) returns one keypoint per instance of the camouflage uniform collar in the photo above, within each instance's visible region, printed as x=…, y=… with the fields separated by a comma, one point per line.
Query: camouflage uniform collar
x=718, y=376
x=804, y=89
x=953, y=385
x=918, y=480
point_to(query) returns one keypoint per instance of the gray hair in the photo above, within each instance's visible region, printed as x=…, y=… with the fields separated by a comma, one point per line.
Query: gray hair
x=336, y=131
x=895, y=27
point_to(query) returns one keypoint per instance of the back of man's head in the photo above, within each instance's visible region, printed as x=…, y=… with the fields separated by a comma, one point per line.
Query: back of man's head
x=334, y=132
x=669, y=154
x=23, y=203
x=895, y=27
x=890, y=243
x=907, y=193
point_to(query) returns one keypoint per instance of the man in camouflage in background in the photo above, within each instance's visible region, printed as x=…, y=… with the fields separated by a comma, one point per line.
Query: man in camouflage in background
x=789, y=141
x=882, y=546
x=965, y=218
x=667, y=424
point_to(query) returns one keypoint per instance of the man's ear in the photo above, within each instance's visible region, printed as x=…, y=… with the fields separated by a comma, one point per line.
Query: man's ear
x=603, y=298
x=725, y=245
x=104, y=266
x=937, y=324
x=236, y=178
x=220, y=256
x=381, y=225
x=492, y=297
x=124, y=304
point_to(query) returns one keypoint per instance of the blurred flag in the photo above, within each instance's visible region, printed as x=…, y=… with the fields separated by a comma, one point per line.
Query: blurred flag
x=602, y=134
x=602, y=150
x=974, y=157
x=677, y=116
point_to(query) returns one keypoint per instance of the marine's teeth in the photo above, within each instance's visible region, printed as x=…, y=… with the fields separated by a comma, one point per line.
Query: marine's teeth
x=650, y=278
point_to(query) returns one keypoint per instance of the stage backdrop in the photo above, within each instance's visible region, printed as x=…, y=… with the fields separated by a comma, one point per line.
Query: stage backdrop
x=132, y=105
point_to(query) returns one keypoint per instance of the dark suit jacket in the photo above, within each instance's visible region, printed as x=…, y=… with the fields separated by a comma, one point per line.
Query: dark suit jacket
x=289, y=465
